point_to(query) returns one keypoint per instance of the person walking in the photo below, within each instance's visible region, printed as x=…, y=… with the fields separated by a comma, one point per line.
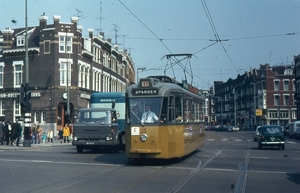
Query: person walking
x=34, y=134
x=44, y=137
x=2, y=133
x=50, y=136
x=66, y=133
x=16, y=133
x=39, y=134
x=60, y=135
x=7, y=132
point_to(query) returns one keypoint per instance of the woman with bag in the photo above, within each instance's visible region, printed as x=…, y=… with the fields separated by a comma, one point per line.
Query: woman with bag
x=66, y=133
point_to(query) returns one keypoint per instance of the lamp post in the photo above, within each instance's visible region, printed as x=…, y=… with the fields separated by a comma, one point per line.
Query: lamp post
x=254, y=104
x=27, y=115
x=137, y=73
x=67, y=68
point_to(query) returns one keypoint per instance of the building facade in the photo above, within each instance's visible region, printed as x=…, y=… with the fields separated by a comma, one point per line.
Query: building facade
x=260, y=96
x=63, y=67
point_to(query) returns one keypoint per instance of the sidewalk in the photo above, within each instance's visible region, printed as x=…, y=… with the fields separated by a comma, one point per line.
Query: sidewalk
x=33, y=146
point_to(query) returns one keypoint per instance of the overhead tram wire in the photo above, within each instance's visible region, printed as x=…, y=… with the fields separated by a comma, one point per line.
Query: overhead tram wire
x=160, y=39
x=211, y=22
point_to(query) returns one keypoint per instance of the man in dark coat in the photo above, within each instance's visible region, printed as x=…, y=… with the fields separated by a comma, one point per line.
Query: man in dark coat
x=16, y=133
x=7, y=131
x=1, y=133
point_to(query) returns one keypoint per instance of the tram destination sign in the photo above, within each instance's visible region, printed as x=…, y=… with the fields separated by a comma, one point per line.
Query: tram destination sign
x=148, y=91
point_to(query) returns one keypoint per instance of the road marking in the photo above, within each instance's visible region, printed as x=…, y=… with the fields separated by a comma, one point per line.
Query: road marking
x=224, y=139
x=237, y=140
x=259, y=157
x=210, y=139
x=291, y=142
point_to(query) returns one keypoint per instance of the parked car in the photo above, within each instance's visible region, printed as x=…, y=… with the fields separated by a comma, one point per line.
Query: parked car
x=256, y=134
x=230, y=128
x=236, y=128
x=221, y=128
x=271, y=135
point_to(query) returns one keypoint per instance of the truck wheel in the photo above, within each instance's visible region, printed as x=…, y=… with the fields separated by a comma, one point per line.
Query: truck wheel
x=79, y=149
x=116, y=148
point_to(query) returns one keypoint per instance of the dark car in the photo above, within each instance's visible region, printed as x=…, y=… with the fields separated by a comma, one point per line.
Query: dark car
x=271, y=135
x=221, y=128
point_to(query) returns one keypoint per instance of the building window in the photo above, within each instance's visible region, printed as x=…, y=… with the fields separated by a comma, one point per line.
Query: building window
x=47, y=47
x=17, y=108
x=276, y=100
x=62, y=44
x=39, y=117
x=20, y=41
x=18, y=73
x=1, y=74
x=2, y=108
x=63, y=74
x=286, y=86
x=276, y=85
x=286, y=100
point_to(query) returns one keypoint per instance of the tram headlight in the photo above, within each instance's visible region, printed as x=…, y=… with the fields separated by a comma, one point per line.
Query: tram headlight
x=144, y=137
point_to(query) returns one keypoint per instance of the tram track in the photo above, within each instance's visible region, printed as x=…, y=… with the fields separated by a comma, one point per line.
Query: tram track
x=240, y=185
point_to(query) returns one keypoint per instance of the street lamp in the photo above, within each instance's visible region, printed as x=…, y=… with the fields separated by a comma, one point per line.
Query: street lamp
x=137, y=73
x=254, y=104
x=67, y=68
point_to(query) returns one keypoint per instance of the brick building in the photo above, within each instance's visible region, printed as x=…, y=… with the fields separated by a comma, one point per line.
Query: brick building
x=260, y=96
x=58, y=54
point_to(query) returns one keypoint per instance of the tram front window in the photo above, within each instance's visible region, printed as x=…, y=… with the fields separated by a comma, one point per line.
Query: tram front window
x=145, y=110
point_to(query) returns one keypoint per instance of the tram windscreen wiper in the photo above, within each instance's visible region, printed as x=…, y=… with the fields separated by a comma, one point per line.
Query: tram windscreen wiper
x=139, y=120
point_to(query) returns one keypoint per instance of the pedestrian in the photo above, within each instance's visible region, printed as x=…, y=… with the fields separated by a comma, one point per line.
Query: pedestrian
x=44, y=137
x=60, y=135
x=39, y=134
x=7, y=132
x=50, y=136
x=16, y=133
x=34, y=134
x=66, y=133
x=2, y=133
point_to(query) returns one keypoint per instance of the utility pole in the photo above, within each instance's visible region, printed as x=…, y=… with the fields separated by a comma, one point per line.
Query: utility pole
x=27, y=114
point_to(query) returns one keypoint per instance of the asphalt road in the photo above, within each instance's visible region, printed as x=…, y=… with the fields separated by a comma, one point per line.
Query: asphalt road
x=229, y=162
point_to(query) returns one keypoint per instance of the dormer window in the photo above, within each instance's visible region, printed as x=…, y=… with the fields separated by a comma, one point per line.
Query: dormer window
x=20, y=40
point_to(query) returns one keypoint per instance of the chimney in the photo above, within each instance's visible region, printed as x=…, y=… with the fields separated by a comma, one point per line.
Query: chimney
x=74, y=19
x=56, y=19
x=43, y=21
x=79, y=28
x=102, y=35
x=91, y=33
x=7, y=38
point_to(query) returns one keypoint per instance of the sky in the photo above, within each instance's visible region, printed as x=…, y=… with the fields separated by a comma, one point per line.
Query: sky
x=223, y=38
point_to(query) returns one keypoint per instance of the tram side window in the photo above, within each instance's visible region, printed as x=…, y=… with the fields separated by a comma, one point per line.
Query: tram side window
x=187, y=110
x=164, y=110
x=171, y=109
x=178, y=109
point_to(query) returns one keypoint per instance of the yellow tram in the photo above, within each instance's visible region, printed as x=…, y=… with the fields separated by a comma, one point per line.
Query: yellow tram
x=164, y=119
